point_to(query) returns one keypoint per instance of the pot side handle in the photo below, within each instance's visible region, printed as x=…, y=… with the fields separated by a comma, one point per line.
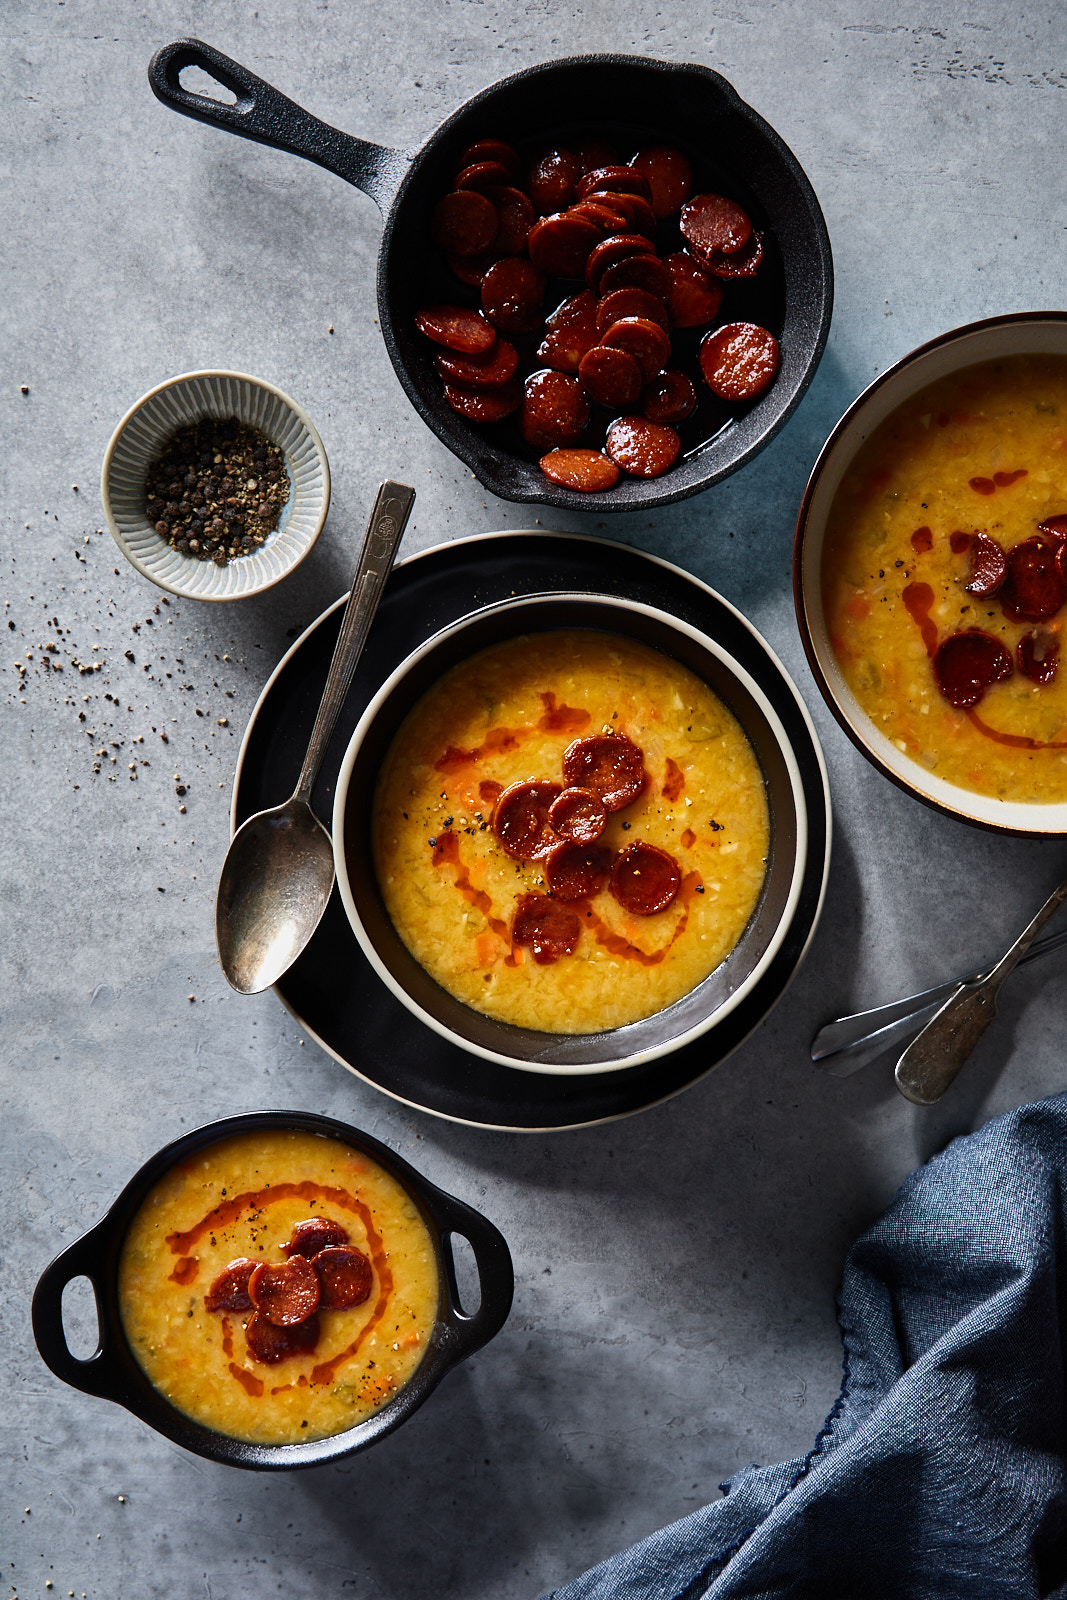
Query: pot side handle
x=96, y=1374
x=496, y=1275
x=264, y=114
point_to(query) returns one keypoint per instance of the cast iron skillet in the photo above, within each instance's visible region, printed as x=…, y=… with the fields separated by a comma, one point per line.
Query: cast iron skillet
x=630, y=99
x=113, y=1373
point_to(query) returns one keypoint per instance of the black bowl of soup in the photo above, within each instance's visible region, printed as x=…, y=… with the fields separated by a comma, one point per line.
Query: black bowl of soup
x=275, y=1290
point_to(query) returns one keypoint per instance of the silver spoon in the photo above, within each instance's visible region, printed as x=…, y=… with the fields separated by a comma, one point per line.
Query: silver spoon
x=846, y=1044
x=930, y=1063
x=278, y=873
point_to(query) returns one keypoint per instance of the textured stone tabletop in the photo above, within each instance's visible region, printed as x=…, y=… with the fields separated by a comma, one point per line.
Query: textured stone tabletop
x=674, y=1312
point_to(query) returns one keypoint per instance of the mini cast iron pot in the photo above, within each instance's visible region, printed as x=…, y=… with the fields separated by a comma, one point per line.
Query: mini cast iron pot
x=630, y=99
x=114, y=1374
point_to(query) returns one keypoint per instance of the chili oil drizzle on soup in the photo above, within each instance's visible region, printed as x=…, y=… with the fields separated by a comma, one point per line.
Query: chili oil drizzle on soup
x=979, y=456
x=505, y=717
x=243, y=1197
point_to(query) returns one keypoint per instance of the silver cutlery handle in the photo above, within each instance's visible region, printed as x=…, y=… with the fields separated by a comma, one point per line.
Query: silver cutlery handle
x=385, y=530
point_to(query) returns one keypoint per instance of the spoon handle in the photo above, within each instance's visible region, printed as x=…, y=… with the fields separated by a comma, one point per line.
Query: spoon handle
x=384, y=532
x=930, y=1063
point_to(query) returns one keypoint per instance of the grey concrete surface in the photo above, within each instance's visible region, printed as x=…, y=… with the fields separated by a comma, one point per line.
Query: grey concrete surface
x=674, y=1315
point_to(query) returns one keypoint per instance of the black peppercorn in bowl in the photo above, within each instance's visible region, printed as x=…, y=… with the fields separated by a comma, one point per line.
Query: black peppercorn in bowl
x=214, y=424
x=275, y=1290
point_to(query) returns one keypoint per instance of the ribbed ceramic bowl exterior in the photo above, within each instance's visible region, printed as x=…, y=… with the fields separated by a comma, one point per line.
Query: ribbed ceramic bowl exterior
x=138, y=441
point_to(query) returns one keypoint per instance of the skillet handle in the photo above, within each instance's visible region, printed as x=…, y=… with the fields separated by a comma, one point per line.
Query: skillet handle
x=496, y=1276
x=97, y=1374
x=264, y=114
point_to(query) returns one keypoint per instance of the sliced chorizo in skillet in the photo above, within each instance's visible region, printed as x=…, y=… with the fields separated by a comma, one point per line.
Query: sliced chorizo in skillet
x=669, y=175
x=645, y=879
x=515, y=215
x=491, y=150
x=693, y=294
x=554, y=409
x=637, y=272
x=711, y=222
x=739, y=360
x=611, y=377
x=560, y=244
x=472, y=269
x=605, y=217
x=464, y=223
x=552, y=179
x=617, y=180
x=639, y=214
x=571, y=330
x=587, y=471
x=608, y=251
x=669, y=397
x=630, y=303
x=645, y=341
x=488, y=371
x=456, y=327
x=485, y=405
x=744, y=263
x=512, y=293
x=482, y=176
x=642, y=448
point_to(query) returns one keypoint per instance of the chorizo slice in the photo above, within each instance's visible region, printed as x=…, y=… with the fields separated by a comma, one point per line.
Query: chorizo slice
x=739, y=360
x=270, y=1344
x=229, y=1288
x=515, y=216
x=485, y=405
x=520, y=819
x=488, y=371
x=472, y=269
x=464, y=222
x=577, y=871
x=669, y=398
x=560, y=244
x=645, y=879
x=639, y=214
x=308, y=1238
x=552, y=179
x=618, y=180
x=669, y=175
x=1038, y=655
x=492, y=150
x=554, y=409
x=711, y=223
x=989, y=565
x=608, y=218
x=547, y=928
x=610, y=376
x=345, y=1277
x=482, y=175
x=456, y=327
x=609, y=764
x=630, y=303
x=571, y=330
x=605, y=254
x=1054, y=527
x=587, y=471
x=642, y=448
x=1033, y=588
x=967, y=664
x=578, y=815
x=512, y=293
x=636, y=272
x=693, y=295
x=287, y=1293
x=645, y=341
x=743, y=263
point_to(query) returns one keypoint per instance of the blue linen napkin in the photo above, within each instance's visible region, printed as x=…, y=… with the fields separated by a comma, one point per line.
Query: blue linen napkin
x=941, y=1470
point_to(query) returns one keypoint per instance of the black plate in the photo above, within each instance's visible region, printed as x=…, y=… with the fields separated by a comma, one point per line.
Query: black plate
x=333, y=992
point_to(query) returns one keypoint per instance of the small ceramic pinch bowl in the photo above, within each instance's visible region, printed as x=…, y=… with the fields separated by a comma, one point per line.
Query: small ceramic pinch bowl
x=138, y=441
x=1036, y=333
x=613, y=1049
x=113, y=1372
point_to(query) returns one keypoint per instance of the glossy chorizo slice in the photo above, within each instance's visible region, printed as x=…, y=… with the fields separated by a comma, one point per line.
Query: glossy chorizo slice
x=345, y=1277
x=609, y=764
x=640, y=217
x=560, y=244
x=491, y=150
x=512, y=293
x=617, y=180
x=520, y=819
x=743, y=263
x=488, y=371
x=313, y=1235
x=645, y=341
x=270, y=1344
x=711, y=223
x=548, y=928
x=610, y=376
x=554, y=409
x=464, y=222
x=967, y=664
x=1033, y=588
x=287, y=1293
x=1038, y=655
x=739, y=360
x=605, y=254
x=485, y=405
x=552, y=179
x=693, y=294
x=645, y=879
x=642, y=448
x=607, y=218
x=577, y=871
x=229, y=1288
x=570, y=331
x=630, y=303
x=456, y=327
x=989, y=565
x=636, y=272
x=669, y=174
x=587, y=471
x=482, y=175
x=669, y=398
x=472, y=269
x=515, y=215
x=579, y=815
